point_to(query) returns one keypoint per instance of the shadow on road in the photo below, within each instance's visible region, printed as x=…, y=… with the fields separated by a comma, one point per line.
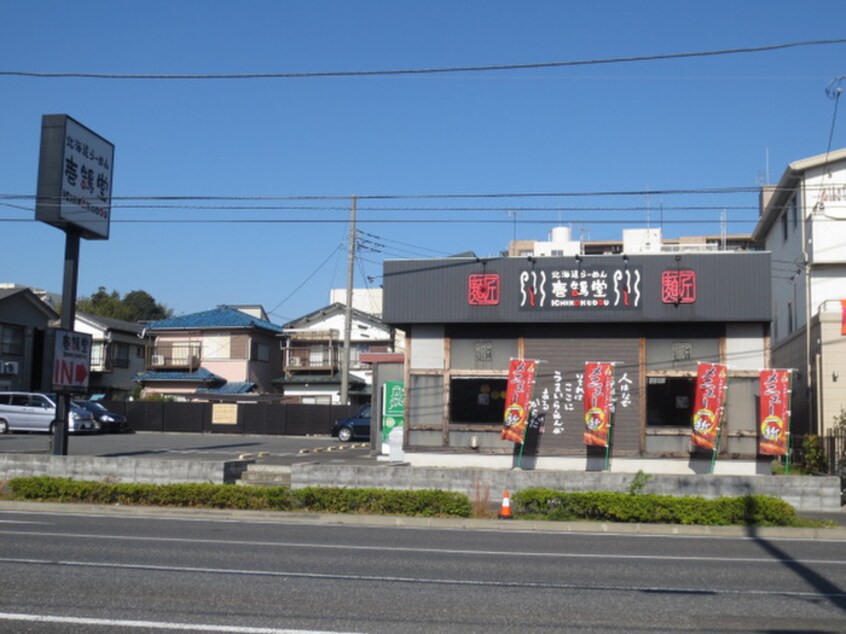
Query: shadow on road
x=205, y=448
x=827, y=590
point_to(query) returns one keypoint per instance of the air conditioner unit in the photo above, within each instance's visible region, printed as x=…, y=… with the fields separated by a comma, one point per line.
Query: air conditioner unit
x=158, y=359
x=11, y=367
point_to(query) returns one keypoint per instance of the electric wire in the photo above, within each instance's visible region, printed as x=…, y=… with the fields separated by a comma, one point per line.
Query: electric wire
x=305, y=281
x=423, y=71
x=833, y=91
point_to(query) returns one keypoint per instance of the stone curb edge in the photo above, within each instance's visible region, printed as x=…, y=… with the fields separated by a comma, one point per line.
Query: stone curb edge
x=516, y=525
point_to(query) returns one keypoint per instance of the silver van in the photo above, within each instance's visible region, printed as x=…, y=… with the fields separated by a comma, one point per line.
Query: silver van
x=33, y=411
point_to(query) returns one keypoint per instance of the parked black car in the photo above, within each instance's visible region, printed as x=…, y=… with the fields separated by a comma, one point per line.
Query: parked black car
x=355, y=427
x=104, y=420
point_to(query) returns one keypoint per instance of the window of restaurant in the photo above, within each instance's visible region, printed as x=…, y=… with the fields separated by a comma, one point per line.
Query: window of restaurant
x=477, y=400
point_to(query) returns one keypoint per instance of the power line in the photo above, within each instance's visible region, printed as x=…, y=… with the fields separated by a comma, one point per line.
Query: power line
x=742, y=189
x=395, y=208
x=439, y=196
x=402, y=221
x=424, y=71
x=306, y=280
x=833, y=91
x=404, y=244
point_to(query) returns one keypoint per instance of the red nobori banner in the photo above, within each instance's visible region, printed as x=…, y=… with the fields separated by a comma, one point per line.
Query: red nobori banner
x=774, y=412
x=711, y=380
x=599, y=386
x=521, y=382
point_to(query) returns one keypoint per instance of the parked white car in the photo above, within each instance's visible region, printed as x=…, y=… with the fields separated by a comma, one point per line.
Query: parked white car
x=33, y=411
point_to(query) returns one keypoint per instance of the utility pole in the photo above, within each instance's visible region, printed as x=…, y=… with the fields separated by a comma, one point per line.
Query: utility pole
x=346, y=357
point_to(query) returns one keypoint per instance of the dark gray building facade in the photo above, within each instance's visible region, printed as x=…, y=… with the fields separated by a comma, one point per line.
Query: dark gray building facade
x=655, y=316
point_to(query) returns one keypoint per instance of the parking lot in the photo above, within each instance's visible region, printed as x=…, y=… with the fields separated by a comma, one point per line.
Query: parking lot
x=178, y=446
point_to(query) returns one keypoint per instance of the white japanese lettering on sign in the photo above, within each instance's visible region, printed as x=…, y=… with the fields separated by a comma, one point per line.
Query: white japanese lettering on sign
x=580, y=288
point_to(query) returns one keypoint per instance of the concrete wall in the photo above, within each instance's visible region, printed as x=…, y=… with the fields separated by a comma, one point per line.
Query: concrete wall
x=804, y=493
x=140, y=470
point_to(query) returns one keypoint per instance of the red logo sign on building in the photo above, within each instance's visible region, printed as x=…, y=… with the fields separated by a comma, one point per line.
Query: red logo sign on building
x=483, y=289
x=678, y=287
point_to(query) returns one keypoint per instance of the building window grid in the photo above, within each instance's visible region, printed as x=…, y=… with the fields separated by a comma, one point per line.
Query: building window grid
x=11, y=340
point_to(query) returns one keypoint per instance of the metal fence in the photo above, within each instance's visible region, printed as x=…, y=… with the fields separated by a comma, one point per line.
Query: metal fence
x=834, y=445
x=247, y=418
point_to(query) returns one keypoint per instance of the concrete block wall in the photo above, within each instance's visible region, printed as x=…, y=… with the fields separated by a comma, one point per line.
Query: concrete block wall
x=803, y=493
x=121, y=469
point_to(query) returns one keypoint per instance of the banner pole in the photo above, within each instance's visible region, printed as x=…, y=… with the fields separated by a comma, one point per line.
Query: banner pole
x=520, y=455
x=787, y=455
x=789, y=435
x=610, y=442
x=721, y=413
x=716, y=448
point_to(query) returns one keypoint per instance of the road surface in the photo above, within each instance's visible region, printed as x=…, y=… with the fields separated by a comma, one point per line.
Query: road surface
x=145, y=571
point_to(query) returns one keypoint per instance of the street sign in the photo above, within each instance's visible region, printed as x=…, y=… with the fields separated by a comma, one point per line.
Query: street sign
x=393, y=413
x=71, y=361
x=75, y=170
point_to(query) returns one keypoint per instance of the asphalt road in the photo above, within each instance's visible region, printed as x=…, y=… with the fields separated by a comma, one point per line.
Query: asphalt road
x=69, y=572
x=278, y=449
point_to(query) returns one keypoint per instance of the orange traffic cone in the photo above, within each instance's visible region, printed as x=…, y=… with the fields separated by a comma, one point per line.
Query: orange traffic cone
x=505, y=510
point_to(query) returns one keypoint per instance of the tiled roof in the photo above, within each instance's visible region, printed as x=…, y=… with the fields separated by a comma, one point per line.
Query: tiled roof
x=111, y=324
x=233, y=387
x=317, y=379
x=28, y=295
x=200, y=376
x=332, y=309
x=220, y=317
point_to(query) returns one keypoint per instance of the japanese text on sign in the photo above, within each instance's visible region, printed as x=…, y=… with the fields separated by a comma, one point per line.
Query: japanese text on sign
x=580, y=288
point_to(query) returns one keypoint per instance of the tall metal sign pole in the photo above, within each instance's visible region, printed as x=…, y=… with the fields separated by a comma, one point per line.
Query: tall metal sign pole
x=69, y=284
x=347, y=356
x=75, y=168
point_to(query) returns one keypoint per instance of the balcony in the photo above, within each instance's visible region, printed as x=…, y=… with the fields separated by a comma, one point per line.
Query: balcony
x=322, y=359
x=175, y=356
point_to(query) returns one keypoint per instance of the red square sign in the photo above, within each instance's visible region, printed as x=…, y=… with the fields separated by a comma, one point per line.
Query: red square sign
x=678, y=287
x=483, y=289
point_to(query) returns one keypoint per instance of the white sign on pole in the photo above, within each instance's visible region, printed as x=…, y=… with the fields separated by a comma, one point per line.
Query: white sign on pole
x=71, y=361
x=74, y=177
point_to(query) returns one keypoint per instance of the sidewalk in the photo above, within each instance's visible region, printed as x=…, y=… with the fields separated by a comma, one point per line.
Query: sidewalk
x=651, y=530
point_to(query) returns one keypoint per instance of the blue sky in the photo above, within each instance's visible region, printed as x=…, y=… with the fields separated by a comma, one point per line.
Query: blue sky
x=684, y=124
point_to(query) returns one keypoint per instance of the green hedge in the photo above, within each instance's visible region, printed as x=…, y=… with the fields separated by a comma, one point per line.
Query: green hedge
x=537, y=503
x=428, y=503
x=758, y=510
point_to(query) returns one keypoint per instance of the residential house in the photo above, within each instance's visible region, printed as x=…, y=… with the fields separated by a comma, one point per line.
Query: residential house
x=312, y=349
x=230, y=349
x=803, y=225
x=118, y=353
x=24, y=320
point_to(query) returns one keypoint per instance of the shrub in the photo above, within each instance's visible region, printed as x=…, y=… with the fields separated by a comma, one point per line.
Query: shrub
x=623, y=507
x=639, y=482
x=428, y=503
x=813, y=455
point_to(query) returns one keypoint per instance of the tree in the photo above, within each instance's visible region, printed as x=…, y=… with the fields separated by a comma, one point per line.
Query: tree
x=142, y=307
x=134, y=306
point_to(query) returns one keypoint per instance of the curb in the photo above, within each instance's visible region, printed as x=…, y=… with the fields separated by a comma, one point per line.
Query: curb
x=476, y=524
